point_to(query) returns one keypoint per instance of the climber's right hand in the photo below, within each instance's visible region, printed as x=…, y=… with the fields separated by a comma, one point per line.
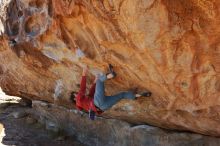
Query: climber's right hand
x=85, y=70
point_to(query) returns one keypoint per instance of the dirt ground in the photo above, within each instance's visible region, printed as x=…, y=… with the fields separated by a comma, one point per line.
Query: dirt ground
x=18, y=128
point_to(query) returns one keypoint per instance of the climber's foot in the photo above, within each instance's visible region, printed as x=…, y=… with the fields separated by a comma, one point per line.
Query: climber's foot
x=145, y=94
x=111, y=74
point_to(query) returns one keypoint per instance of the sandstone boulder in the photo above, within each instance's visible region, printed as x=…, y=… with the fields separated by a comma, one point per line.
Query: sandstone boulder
x=168, y=47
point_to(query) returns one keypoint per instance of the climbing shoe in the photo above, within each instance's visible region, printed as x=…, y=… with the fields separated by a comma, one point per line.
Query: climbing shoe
x=146, y=94
x=111, y=74
x=12, y=42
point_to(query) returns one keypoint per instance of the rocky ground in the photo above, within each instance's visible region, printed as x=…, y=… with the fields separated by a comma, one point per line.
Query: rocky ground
x=45, y=124
x=19, y=128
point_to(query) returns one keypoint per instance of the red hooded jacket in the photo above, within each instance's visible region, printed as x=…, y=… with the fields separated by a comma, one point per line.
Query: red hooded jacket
x=84, y=102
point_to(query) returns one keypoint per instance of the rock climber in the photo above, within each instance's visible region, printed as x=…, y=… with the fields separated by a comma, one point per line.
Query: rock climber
x=96, y=101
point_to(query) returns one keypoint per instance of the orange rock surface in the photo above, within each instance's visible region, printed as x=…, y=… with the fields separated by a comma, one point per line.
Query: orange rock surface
x=169, y=47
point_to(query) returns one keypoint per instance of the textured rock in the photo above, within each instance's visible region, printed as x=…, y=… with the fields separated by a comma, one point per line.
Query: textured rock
x=111, y=132
x=27, y=132
x=19, y=114
x=168, y=47
x=31, y=120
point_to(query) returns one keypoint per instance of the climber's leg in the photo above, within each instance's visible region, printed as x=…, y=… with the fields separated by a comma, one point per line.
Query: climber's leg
x=109, y=101
x=100, y=91
x=99, y=96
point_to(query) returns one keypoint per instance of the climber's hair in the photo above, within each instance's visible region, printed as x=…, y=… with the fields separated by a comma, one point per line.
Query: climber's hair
x=73, y=97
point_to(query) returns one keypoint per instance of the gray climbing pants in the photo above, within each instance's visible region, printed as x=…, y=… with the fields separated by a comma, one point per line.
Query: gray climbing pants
x=106, y=102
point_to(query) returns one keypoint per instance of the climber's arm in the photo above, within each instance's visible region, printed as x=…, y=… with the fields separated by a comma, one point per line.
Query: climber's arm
x=92, y=89
x=82, y=90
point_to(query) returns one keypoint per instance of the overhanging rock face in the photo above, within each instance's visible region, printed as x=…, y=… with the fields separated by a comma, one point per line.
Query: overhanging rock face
x=168, y=47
